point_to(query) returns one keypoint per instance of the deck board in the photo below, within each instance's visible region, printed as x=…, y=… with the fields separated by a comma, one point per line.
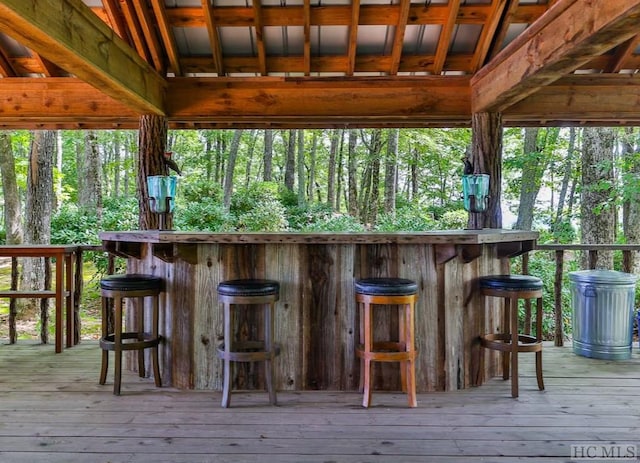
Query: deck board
x=53, y=410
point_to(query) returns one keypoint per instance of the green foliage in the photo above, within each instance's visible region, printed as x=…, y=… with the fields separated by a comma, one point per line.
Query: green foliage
x=70, y=225
x=193, y=191
x=408, y=217
x=542, y=265
x=258, y=208
x=120, y=214
x=453, y=220
x=334, y=222
x=206, y=215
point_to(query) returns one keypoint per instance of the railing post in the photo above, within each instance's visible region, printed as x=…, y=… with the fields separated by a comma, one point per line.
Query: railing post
x=13, y=303
x=44, y=303
x=557, y=290
x=527, y=302
x=627, y=261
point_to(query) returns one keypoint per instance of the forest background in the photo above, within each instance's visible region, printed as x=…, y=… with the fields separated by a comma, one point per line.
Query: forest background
x=573, y=185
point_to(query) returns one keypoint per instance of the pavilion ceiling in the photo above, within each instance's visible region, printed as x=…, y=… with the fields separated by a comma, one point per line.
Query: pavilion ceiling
x=317, y=63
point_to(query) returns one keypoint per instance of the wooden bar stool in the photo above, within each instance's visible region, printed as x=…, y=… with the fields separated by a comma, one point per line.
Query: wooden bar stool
x=234, y=293
x=119, y=287
x=510, y=342
x=371, y=292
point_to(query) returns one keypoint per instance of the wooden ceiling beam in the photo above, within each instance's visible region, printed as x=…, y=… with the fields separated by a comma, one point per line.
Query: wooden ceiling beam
x=306, y=48
x=214, y=38
x=341, y=15
x=150, y=37
x=90, y=50
x=309, y=98
x=567, y=36
x=488, y=34
x=259, y=31
x=433, y=101
x=598, y=97
x=444, y=40
x=398, y=37
x=116, y=20
x=353, y=37
x=166, y=33
x=135, y=30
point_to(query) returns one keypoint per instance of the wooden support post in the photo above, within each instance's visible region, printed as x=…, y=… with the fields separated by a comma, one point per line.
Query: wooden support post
x=152, y=143
x=557, y=289
x=486, y=155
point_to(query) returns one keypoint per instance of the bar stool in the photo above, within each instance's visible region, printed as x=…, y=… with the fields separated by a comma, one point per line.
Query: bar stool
x=234, y=293
x=510, y=342
x=119, y=287
x=372, y=292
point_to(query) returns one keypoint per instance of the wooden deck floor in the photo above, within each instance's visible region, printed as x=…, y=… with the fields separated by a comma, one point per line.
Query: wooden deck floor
x=53, y=410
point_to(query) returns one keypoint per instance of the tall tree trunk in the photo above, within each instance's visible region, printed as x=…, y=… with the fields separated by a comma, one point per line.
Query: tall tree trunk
x=290, y=166
x=152, y=142
x=486, y=152
x=312, y=165
x=268, y=155
x=352, y=174
x=631, y=204
x=231, y=165
x=331, y=174
x=302, y=198
x=597, y=209
x=414, y=174
x=38, y=215
x=339, y=177
x=390, y=171
x=531, y=178
x=253, y=136
x=90, y=196
x=117, y=161
x=566, y=179
x=12, y=209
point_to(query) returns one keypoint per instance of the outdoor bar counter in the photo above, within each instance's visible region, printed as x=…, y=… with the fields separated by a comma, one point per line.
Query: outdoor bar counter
x=316, y=321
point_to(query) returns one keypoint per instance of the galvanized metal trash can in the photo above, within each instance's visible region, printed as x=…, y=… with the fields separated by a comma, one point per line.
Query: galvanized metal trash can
x=602, y=313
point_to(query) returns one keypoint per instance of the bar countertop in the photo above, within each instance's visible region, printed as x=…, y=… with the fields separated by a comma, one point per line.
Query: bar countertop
x=485, y=236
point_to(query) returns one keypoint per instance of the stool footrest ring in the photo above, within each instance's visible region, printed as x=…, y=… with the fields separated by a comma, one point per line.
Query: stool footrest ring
x=130, y=341
x=386, y=352
x=248, y=351
x=502, y=342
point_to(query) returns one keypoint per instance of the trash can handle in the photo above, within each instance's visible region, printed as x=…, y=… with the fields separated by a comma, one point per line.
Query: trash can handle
x=590, y=291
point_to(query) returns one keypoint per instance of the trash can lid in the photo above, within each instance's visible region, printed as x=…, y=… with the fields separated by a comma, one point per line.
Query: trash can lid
x=611, y=277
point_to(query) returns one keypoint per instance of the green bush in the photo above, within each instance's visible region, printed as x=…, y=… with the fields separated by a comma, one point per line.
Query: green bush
x=206, y=215
x=334, y=222
x=408, y=217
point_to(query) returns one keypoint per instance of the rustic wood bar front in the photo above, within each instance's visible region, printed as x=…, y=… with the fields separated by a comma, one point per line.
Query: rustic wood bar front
x=316, y=317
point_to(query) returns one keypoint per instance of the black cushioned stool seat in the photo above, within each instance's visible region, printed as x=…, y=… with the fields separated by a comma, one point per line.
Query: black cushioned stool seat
x=371, y=292
x=239, y=294
x=510, y=342
x=119, y=287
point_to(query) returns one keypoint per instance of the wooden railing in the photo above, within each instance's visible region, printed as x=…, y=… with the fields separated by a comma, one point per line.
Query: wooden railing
x=592, y=258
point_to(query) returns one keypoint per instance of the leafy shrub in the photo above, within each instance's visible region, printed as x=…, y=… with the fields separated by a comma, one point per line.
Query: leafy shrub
x=70, y=225
x=255, y=195
x=195, y=191
x=453, y=220
x=409, y=217
x=334, y=223
x=206, y=215
x=303, y=217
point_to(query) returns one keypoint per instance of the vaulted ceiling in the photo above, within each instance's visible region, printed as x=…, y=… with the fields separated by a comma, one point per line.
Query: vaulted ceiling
x=318, y=63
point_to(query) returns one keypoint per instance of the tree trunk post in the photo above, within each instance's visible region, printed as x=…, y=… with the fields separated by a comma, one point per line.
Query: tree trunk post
x=486, y=157
x=152, y=142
